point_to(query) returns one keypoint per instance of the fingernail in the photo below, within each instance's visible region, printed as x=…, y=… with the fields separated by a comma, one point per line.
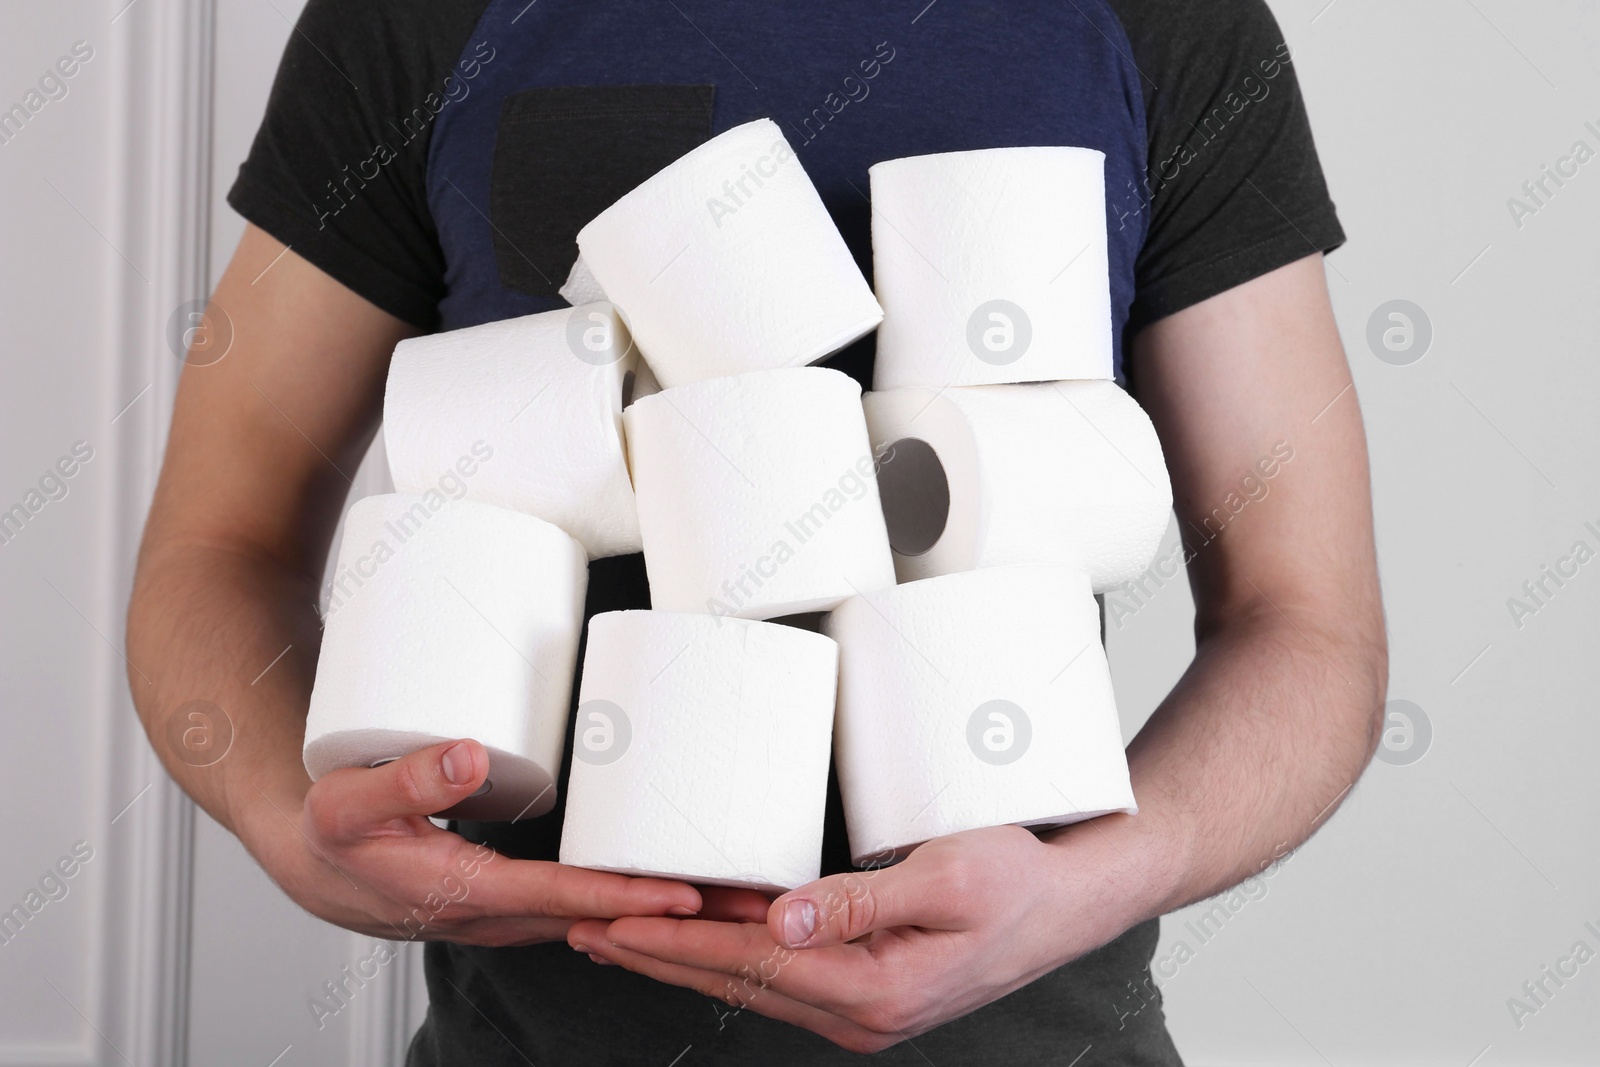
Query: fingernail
x=581, y=948
x=679, y=909
x=799, y=922
x=601, y=960
x=457, y=764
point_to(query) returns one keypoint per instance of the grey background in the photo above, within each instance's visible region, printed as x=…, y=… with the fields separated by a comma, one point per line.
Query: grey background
x=1398, y=933
x=1396, y=936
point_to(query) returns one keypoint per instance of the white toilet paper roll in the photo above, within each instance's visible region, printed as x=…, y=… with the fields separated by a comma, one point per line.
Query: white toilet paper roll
x=756, y=494
x=450, y=619
x=1057, y=472
x=726, y=261
x=700, y=750
x=991, y=267
x=975, y=699
x=580, y=286
x=526, y=414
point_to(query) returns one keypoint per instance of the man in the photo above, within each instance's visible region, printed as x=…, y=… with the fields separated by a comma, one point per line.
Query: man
x=426, y=165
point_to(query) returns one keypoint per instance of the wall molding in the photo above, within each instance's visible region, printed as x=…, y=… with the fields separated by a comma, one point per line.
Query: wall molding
x=164, y=51
x=381, y=1032
x=160, y=166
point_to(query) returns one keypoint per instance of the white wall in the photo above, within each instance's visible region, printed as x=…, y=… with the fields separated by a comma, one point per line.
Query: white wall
x=1396, y=936
x=253, y=982
x=95, y=973
x=1398, y=933
x=108, y=209
x=51, y=577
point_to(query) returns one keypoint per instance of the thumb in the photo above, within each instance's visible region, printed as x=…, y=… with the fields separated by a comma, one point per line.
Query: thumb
x=348, y=804
x=843, y=907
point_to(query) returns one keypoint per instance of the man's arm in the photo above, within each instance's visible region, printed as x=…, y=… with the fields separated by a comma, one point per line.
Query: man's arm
x=1267, y=730
x=1283, y=704
x=224, y=610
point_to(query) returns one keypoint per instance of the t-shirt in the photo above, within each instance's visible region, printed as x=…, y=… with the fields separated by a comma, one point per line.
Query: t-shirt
x=438, y=158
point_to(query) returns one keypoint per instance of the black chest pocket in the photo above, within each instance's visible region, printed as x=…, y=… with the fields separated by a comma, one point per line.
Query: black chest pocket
x=564, y=154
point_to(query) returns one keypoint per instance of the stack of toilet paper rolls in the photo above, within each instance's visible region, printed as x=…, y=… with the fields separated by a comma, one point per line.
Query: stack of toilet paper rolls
x=703, y=731
x=456, y=603
x=1017, y=481
x=998, y=472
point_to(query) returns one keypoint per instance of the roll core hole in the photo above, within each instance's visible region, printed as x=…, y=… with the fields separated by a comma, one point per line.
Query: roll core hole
x=916, y=496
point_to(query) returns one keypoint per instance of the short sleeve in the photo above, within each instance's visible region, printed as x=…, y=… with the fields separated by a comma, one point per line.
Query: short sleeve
x=337, y=169
x=1234, y=187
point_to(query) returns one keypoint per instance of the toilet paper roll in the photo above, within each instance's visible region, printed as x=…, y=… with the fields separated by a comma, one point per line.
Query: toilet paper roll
x=700, y=750
x=726, y=261
x=580, y=286
x=991, y=267
x=975, y=699
x=757, y=495
x=450, y=619
x=524, y=414
x=982, y=476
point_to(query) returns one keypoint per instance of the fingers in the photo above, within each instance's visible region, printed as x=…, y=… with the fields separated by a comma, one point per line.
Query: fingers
x=539, y=888
x=927, y=892
x=349, y=804
x=826, y=978
x=349, y=807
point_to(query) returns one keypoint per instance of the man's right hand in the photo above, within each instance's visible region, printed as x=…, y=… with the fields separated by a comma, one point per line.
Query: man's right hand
x=360, y=852
x=266, y=435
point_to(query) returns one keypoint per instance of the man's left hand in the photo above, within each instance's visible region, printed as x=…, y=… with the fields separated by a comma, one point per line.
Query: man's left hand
x=869, y=959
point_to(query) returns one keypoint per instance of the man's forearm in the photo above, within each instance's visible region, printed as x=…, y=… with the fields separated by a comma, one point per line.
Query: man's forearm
x=238, y=629
x=1249, y=754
